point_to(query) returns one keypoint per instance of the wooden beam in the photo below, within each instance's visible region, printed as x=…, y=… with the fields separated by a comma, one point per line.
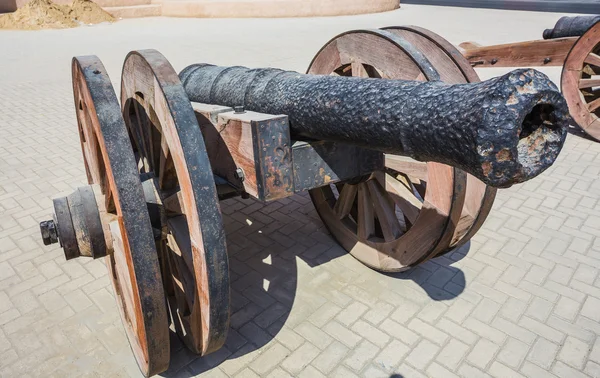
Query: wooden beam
x=538, y=53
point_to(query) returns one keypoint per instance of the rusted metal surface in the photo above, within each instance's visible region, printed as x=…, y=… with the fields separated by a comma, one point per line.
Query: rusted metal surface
x=76, y=225
x=64, y=225
x=273, y=160
x=503, y=131
x=49, y=232
x=319, y=163
x=571, y=26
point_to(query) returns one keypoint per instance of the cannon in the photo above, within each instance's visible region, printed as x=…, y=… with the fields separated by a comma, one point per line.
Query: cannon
x=574, y=44
x=401, y=162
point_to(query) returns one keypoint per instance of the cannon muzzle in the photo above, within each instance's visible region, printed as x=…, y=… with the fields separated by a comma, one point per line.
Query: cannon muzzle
x=504, y=130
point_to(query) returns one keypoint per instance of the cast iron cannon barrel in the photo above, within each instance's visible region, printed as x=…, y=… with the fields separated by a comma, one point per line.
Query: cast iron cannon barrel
x=571, y=26
x=504, y=130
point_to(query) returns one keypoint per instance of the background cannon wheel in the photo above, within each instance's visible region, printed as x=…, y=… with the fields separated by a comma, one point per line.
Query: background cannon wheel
x=133, y=266
x=170, y=149
x=580, y=82
x=413, y=211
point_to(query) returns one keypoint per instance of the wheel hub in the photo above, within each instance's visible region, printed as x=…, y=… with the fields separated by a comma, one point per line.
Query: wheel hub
x=78, y=224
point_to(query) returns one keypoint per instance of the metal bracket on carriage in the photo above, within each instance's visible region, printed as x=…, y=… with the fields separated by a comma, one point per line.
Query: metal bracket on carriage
x=274, y=165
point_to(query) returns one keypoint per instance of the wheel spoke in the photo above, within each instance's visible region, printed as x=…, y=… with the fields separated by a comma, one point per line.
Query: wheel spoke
x=589, y=83
x=182, y=282
x=145, y=130
x=148, y=132
x=173, y=203
x=344, y=70
x=135, y=136
x=163, y=254
x=167, y=177
x=418, y=187
x=358, y=70
x=404, y=198
x=593, y=59
x=343, y=206
x=411, y=167
x=366, y=217
x=390, y=227
x=156, y=139
x=138, y=132
x=594, y=105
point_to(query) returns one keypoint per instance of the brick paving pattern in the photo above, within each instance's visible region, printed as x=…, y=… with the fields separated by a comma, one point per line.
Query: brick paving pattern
x=524, y=301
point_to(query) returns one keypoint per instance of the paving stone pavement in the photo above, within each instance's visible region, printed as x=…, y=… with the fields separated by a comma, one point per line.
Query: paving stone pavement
x=522, y=299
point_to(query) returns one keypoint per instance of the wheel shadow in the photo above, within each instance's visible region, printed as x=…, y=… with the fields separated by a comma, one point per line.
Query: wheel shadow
x=266, y=243
x=578, y=131
x=438, y=277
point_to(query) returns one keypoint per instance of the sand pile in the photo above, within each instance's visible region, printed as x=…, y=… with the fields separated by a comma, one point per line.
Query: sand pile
x=44, y=14
x=88, y=12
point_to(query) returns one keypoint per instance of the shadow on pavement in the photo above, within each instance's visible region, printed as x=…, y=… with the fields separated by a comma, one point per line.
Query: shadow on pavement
x=577, y=131
x=264, y=251
x=440, y=280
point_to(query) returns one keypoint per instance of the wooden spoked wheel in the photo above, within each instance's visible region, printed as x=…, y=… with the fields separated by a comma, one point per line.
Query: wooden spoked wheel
x=414, y=211
x=580, y=82
x=169, y=147
x=133, y=266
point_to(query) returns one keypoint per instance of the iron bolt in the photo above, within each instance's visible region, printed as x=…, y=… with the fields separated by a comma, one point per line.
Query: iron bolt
x=239, y=109
x=239, y=174
x=494, y=61
x=49, y=232
x=547, y=60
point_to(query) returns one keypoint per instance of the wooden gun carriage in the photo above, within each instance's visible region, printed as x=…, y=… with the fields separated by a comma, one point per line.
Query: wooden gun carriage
x=574, y=44
x=158, y=165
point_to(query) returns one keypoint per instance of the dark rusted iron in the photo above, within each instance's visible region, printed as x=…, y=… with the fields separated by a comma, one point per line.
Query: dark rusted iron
x=272, y=158
x=64, y=226
x=504, y=131
x=318, y=163
x=571, y=26
x=49, y=232
x=76, y=225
